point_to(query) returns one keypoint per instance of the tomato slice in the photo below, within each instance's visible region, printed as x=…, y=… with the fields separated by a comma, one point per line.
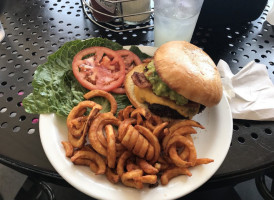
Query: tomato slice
x=99, y=68
x=131, y=60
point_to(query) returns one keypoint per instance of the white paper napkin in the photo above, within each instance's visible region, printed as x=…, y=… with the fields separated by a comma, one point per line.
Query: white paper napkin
x=250, y=92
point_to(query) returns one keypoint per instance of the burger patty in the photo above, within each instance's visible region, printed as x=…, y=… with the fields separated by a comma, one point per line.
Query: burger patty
x=165, y=111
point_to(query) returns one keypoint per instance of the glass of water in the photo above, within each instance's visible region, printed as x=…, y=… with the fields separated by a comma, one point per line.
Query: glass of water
x=2, y=32
x=175, y=19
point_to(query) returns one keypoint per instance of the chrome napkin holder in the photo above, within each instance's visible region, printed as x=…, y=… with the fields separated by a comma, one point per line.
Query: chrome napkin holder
x=118, y=23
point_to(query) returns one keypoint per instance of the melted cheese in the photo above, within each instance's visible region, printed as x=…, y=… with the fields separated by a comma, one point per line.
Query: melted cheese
x=146, y=95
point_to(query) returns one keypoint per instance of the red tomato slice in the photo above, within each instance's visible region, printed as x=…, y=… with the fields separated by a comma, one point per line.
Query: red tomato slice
x=104, y=69
x=131, y=60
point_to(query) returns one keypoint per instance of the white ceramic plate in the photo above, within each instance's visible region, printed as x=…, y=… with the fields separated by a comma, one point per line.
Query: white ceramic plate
x=213, y=142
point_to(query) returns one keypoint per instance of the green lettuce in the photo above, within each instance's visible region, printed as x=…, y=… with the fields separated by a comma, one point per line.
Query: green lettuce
x=56, y=90
x=138, y=52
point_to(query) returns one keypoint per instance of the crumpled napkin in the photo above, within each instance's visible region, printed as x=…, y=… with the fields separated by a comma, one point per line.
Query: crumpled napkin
x=250, y=92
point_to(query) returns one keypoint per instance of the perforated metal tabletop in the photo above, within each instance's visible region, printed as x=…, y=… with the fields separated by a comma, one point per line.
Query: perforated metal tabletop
x=36, y=29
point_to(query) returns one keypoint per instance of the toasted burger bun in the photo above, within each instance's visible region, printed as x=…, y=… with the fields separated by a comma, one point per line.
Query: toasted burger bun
x=189, y=71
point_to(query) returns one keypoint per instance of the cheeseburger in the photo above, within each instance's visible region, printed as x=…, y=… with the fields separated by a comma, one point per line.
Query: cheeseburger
x=179, y=82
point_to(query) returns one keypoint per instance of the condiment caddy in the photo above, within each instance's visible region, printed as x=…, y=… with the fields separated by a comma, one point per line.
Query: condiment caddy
x=120, y=15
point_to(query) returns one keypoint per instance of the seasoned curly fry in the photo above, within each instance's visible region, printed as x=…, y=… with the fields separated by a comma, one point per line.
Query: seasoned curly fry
x=100, y=131
x=157, y=166
x=91, y=156
x=134, y=141
x=127, y=112
x=121, y=162
x=184, y=154
x=186, y=130
x=94, y=167
x=143, y=112
x=93, y=131
x=174, y=156
x=150, y=153
x=146, y=167
x=164, y=166
x=185, y=123
x=139, y=119
x=171, y=173
x=123, y=127
x=130, y=133
x=158, y=129
x=108, y=96
x=78, y=125
x=152, y=139
x=128, y=179
x=178, y=161
x=83, y=161
x=78, y=130
x=131, y=166
x=111, y=146
x=150, y=179
x=68, y=148
x=141, y=142
x=201, y=161
x=149, y=125
x=111, y=176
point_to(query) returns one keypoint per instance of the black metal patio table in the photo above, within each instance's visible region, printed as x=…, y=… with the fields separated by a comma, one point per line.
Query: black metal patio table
x=36, y=29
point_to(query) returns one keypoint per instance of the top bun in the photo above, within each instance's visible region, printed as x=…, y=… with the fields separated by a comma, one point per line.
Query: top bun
x=189, y=71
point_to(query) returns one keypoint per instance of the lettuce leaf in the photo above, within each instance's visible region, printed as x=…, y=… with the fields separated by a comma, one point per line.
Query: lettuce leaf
x=56, y=90
x=138, y=52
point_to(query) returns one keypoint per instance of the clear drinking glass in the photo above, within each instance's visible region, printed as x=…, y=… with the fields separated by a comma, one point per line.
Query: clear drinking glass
x=2, y=32
x=175, y=19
